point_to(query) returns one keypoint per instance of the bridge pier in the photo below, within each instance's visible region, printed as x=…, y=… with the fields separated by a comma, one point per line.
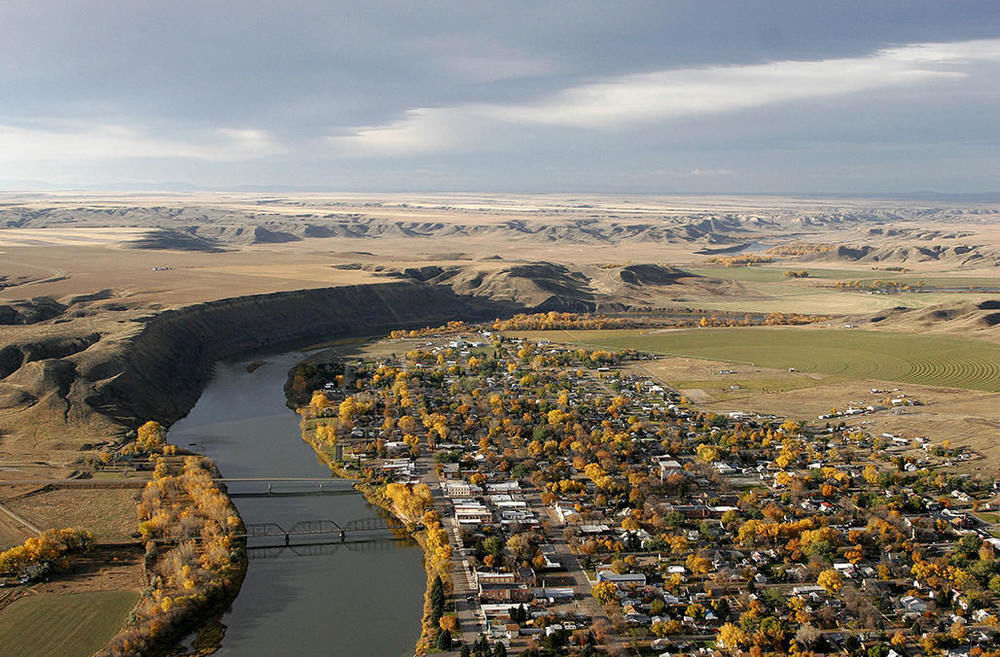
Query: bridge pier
x=287, y=540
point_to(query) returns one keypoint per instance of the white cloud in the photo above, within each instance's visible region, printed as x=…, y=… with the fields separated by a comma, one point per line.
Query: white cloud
x=643, y=98
x=63, y=141
x=421, y=130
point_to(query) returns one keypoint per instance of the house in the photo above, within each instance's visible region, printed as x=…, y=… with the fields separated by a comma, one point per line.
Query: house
x=627, y=579
x=471, y=512
x=460, y=488
x=724, y=468
x=506, y=592
x=911, y=603
x=565, y=512
x=494, y=577
x=552, y=594
x=669, y=466
x=503, y=487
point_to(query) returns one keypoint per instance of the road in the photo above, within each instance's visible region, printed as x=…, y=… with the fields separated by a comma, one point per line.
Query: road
x=470, y=622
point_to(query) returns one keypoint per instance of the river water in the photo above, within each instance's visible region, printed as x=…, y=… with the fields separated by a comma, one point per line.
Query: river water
x=354, y=600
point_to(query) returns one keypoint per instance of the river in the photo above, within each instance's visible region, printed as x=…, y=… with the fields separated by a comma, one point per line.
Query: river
x=359, y=600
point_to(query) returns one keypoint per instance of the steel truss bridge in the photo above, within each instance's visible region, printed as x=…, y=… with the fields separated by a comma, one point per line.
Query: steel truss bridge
x=363, y=528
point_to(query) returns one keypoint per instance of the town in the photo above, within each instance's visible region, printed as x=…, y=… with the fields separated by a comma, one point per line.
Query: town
x=578, y=507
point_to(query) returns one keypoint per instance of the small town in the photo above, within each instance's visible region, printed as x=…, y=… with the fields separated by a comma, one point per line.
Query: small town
x=571, y=505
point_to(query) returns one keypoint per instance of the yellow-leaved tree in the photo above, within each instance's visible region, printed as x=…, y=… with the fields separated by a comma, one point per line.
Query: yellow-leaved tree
x=830, y=580
x=150, y=437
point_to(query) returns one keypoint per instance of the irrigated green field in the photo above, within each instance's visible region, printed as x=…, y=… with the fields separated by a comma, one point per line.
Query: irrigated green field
x=74, y=625
x=903, y=357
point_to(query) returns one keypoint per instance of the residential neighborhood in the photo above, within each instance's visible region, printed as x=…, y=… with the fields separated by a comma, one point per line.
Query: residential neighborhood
x=590, y=510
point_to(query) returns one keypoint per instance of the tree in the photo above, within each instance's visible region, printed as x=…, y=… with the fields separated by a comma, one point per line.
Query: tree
x=807, y=636
x=708, y=453
x=522, y=545
x=319, y=401
x=605, y=592
x=465, y=652
x=150, y=437
x=444, y=640
x=437, y=595
x=830, y=580
x=493, y=545
x=731, y=637
x=698, y=565
x=449, y=623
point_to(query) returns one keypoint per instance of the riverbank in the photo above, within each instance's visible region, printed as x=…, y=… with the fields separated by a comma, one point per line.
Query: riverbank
x=427, y=531
x=193, y=564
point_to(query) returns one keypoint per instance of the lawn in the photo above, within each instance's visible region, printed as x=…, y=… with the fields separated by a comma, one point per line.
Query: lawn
x=72, y=625
x=902, y=357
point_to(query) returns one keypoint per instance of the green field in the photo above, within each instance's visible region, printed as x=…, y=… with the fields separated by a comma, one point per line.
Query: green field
x=771, y=274
x=766, y=274
x=74, y=625
x=903, y=357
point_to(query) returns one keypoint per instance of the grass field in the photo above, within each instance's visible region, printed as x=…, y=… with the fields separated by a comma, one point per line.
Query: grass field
x=903, y=357
x=108, y=513
x=75, y=625
x=767, y=274
x=761, y=274
x=798, y=298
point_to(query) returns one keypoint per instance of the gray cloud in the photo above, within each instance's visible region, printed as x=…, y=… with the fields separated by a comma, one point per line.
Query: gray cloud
x=495, y=96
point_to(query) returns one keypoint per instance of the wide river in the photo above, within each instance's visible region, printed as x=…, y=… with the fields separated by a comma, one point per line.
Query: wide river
x=353, y=600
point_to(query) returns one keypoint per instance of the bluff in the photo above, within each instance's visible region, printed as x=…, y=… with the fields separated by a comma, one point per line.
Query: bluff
x=73, y=382
x=166, y=365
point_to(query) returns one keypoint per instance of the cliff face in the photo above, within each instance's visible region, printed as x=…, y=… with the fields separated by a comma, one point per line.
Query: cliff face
x=165, y=367
x=75, y=384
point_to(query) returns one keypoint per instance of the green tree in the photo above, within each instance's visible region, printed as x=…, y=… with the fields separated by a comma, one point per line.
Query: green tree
x=437, y=598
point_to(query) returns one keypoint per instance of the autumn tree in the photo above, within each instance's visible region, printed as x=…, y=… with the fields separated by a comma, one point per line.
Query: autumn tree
x=731, y=637
x=150, y=437
x=605, y=592
x=830, y=580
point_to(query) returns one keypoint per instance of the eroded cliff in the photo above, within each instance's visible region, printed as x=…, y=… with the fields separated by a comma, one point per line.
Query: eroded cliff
x=71, y=385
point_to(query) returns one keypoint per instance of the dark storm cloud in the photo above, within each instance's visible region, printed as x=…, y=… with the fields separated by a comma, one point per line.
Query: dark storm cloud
x=484, y=95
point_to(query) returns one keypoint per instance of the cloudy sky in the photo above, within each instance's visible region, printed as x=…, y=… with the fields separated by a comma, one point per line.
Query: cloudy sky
x=544, y=95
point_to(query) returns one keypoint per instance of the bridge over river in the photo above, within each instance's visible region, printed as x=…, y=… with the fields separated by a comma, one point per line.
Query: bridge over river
x=360, y=530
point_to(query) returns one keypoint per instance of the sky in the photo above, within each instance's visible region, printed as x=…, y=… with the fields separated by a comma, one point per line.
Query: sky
x=664, y=96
